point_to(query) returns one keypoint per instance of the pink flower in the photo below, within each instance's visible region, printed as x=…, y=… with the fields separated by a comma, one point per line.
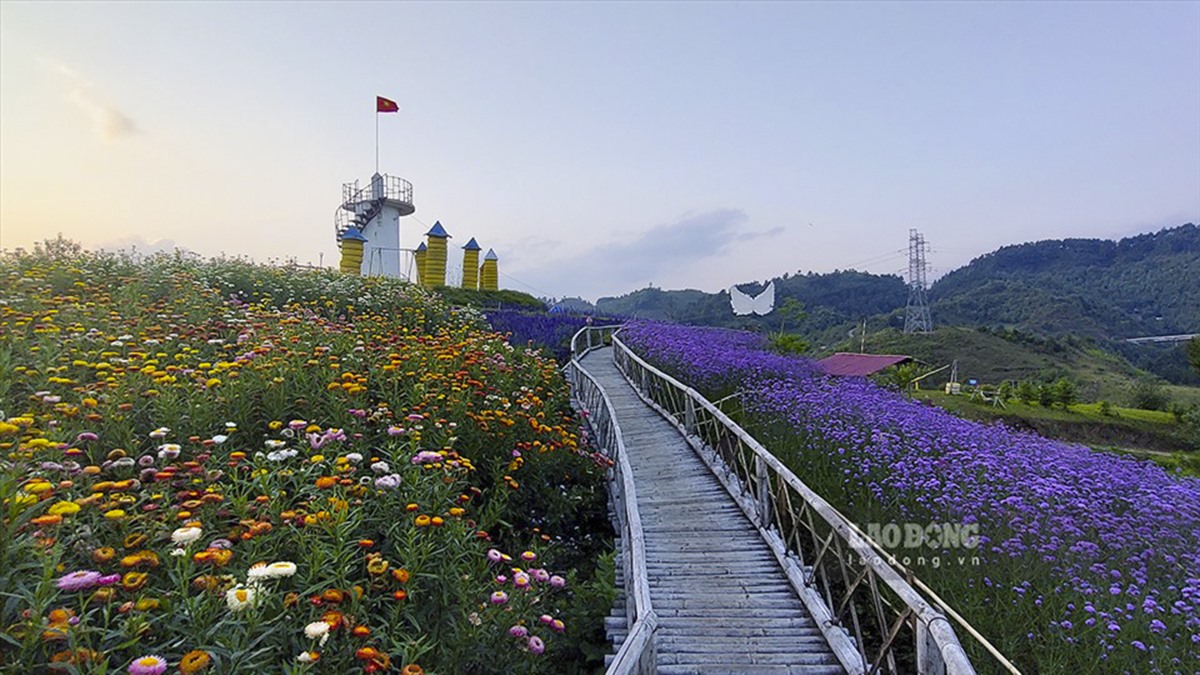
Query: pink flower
x=557, y=581
x=518, y=631
x=546, y=619
x=521, y=580
x=536, y=645
x=499, y=598
x=151, y=664
x=558, y=626
x=540, y=575
x=79, y=580
x=494, y=556
x=528, y=556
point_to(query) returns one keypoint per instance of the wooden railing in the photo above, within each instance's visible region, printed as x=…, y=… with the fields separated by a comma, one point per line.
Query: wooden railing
x=873, y=618
x=637, y=653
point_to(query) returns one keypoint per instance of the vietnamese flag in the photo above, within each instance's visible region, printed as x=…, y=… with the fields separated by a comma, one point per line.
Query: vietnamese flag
x=385, y=105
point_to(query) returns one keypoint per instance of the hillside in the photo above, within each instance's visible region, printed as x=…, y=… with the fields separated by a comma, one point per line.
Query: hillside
x=1143, y=285
x=994, y=356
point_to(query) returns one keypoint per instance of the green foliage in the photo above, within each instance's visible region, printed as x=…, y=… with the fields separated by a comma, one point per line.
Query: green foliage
x=1027, y=392
x=1148, y=394
x=1106, y=409
x=787, y=343
x=1064, y=392
x=504, y=298
x=898, y=377
x=1193, y=353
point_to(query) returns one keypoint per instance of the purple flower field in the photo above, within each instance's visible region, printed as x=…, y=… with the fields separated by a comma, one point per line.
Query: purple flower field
x=546, y=330
x=1086, y=561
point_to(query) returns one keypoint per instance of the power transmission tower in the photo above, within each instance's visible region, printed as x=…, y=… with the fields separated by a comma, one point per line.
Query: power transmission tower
x=916, y=314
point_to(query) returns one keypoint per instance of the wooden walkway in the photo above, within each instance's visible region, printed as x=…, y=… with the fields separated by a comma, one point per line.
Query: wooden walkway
x=724, y=603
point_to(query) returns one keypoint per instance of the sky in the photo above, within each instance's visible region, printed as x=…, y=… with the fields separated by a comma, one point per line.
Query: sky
x=600, y=148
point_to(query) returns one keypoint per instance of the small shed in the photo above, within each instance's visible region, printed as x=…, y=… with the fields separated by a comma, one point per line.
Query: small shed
x=859, y=365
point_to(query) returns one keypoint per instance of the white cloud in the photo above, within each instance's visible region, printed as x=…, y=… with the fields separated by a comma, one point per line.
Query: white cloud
x=108, y=122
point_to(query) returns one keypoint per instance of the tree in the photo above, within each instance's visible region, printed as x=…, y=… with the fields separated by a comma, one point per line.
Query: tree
x=1027, y=392
x=1193, y=353
x=1064, y=392
x=1147, y=394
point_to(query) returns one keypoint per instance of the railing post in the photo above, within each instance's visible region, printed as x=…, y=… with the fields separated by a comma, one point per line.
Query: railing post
x=763, y=479
x=929, y=658
x=689, y=415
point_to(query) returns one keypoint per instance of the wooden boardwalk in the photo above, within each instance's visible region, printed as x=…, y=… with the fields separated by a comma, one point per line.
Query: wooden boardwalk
x=723, y=602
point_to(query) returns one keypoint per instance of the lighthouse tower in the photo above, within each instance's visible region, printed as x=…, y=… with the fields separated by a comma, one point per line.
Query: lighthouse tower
x=374, y=212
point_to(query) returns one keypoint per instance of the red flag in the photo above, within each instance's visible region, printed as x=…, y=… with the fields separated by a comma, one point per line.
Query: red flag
x=385, y=105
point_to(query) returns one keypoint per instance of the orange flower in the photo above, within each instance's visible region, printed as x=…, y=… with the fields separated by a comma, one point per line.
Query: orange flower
x=422, y=520
x=194, y=661
x=401, y=575
x=325, y=482
x=361, y=631
x=334, y=618
x=132, y=581
x=412, y=669
x=333, y=595
x=437, y=521
x=400, y=594
x=45, y=521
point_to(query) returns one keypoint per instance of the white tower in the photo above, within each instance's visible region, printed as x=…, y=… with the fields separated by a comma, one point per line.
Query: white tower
x=376, y=210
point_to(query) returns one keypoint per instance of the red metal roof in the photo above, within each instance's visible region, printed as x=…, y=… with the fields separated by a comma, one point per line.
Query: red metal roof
x=858, y=365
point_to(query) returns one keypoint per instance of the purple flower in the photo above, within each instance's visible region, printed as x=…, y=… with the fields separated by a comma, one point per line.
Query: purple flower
x=536, y=645
x=518, y=631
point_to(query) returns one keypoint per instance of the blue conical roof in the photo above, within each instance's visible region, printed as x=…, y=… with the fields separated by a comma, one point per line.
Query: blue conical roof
x=437, y=230
x=422, y=248
x=471, y=245
x=352, y=234
x=491, y=255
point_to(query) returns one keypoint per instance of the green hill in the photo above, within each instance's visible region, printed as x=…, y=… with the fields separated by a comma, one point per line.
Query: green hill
x=992, y=357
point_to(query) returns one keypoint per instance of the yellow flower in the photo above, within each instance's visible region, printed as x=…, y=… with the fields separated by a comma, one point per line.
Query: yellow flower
x=64, y=509
x=115, y=514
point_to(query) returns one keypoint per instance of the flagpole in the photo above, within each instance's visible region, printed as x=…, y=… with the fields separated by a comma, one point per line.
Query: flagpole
x=377, y=139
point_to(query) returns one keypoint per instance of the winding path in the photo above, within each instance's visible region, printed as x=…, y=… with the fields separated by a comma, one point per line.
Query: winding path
x=723, y=602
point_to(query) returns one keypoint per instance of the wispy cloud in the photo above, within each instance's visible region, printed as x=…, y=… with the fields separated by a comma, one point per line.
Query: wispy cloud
x=137, y=244
x=656, y=253
x=108, y=122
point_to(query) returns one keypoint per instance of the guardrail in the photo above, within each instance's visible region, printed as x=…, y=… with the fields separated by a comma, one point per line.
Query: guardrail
x=637, y=654
x=873, y=618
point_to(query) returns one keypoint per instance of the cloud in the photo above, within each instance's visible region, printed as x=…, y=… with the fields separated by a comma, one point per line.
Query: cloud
x=107, y=121
x=655, y=254
x=136, y=244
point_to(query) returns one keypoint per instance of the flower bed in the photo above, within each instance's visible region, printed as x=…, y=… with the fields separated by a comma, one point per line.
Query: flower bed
x=1082, y=558
x=217, y=466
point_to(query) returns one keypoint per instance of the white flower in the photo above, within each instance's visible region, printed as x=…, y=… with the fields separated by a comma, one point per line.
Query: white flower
x=241, y=597
x=274, y=444
x=219, y=439
x=317, y=630
x=176, y=552
x=257, y=572
x=159, y=432
x=281, y=569
x=168, y=451
x=305, y=657
x=354, y=457
x=186, y=535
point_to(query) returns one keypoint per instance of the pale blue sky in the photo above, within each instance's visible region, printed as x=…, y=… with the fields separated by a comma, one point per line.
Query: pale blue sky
x=599, y=147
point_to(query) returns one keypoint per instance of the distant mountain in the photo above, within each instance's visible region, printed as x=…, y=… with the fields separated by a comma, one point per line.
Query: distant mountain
x=1100, y=289
x=1143, y=285
x=830, y=299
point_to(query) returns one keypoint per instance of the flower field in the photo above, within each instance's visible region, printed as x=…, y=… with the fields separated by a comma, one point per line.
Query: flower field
x=223, y=467
x=1085, y=562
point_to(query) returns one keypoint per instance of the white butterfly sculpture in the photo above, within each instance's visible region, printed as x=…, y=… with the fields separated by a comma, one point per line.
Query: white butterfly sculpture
x=744, y=304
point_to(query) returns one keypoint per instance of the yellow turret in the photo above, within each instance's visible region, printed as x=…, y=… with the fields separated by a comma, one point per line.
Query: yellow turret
x=352, y=251
x=489, y=272
x=470, y=275
x=433, y=273
x=419, y=257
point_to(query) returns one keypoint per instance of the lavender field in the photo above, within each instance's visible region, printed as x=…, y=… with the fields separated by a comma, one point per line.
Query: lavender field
x=1085, y=562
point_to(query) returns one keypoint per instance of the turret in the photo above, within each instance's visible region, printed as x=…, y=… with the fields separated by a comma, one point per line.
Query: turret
x=433, y=273
x=470, y=267
x=352, y=251
x=489, y=272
